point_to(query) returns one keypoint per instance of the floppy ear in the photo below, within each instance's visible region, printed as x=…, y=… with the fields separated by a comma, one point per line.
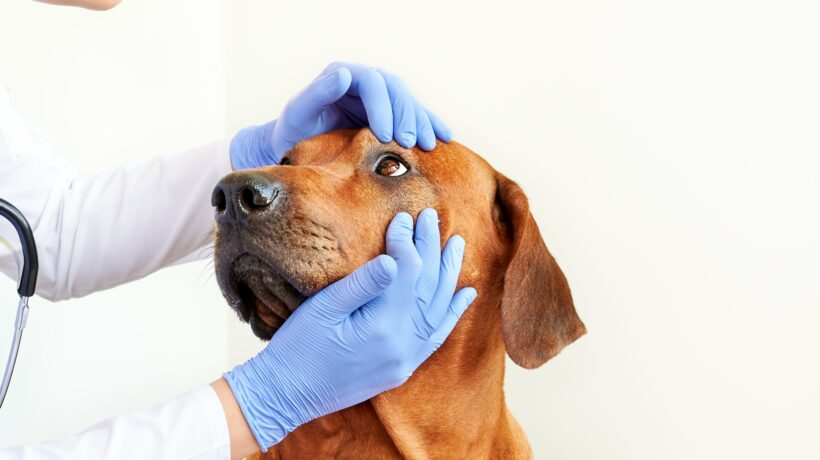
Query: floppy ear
x=538, y=318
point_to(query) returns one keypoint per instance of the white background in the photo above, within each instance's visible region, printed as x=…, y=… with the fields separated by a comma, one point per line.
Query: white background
x=670, y=151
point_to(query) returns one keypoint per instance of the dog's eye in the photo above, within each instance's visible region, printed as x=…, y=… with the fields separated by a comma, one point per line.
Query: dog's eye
x=284, y=161
x=390, y=167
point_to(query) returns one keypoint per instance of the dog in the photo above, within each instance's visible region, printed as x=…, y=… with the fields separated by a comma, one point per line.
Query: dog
x=286, y=231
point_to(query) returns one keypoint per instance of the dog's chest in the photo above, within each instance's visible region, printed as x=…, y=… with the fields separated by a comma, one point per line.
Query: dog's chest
x=355, y=433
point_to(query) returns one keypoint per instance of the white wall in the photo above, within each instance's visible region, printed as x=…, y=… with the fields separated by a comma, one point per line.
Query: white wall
x=671, y=155
x=669, y=149
x=143, y=79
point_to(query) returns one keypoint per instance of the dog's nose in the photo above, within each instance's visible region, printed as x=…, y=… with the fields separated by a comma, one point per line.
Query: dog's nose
x=244, y=195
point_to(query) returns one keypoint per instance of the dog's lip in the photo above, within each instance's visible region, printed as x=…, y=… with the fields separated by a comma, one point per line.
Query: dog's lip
x=263, y=296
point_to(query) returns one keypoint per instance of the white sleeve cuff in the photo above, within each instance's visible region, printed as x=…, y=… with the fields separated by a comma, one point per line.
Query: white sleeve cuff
x=214, y=415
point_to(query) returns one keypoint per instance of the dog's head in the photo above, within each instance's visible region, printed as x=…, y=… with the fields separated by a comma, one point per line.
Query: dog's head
x=286, y=231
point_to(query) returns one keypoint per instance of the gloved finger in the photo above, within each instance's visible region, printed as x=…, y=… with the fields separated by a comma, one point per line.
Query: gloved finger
x=428, y=242
x=323, y=91
x=451, y=260
x=329, y=88
x=334, y=66
x=441, y=130
x=426, y=138
x=455, y=310
x=404, y=109
x=337, y=301
x=371, y=89
x=399, y=242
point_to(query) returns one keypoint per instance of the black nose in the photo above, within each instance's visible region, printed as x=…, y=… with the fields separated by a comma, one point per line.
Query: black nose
x=244, y=195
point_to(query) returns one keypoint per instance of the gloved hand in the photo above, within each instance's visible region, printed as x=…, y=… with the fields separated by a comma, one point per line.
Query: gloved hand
x=358, y=337
x=343, y=96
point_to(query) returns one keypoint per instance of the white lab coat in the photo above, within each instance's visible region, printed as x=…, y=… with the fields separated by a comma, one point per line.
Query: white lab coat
x=95, y=231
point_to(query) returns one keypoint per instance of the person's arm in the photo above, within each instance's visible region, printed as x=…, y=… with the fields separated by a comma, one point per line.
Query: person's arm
x=191, y=426
x=203, y=424
x=95, y=231
x=241, y=438
x=104, y=229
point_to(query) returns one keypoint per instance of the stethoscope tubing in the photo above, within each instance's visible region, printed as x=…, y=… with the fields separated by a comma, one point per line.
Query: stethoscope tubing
x=28, y=278
x=19, y=324
x=28, y=282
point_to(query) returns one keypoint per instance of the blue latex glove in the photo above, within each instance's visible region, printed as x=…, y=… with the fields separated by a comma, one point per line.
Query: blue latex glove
x=343, y=96
x=360, y=336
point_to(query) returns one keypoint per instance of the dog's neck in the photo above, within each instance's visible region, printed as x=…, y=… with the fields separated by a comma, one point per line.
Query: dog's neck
x=451, y=407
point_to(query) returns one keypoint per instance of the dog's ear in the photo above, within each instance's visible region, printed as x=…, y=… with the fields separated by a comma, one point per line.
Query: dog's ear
x=538, y=318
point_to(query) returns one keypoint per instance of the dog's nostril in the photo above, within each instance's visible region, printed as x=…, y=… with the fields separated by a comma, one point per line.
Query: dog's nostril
x=254, y=198
x=218, y=200
x=247, y=198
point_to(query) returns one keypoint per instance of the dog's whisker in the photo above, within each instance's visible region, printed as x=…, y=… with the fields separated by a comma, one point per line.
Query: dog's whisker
x=206, y=271
x=204, y=282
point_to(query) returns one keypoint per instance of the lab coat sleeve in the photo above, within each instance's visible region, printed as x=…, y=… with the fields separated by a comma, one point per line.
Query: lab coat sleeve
x=96, y=231
x=192, y=426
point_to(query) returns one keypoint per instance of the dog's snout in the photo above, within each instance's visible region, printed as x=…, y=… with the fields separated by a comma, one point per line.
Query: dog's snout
x=244, y=195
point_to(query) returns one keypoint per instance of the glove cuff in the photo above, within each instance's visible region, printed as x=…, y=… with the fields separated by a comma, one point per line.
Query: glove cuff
x=251, y=147
x=261, y=404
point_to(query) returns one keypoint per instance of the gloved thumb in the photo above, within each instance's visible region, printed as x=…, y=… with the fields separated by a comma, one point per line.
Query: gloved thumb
x=326, y=90
x=337, y=301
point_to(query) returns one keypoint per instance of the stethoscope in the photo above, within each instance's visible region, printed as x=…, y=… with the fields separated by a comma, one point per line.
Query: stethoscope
x=28, y=280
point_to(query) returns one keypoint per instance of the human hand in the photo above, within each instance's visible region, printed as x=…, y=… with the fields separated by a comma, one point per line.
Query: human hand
x=344, y=95
x=358, y=337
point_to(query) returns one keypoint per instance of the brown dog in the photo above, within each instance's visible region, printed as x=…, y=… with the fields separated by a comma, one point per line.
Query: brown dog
x=287, y=231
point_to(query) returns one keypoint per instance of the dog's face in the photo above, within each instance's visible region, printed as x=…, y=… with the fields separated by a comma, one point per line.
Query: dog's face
x=285, y=232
